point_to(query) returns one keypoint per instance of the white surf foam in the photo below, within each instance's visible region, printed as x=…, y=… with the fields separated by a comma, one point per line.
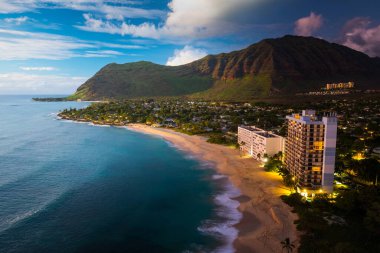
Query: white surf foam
x=218, y=176
x=9, y=222
x=97, y=125
x=227, y=208
x=228, y=212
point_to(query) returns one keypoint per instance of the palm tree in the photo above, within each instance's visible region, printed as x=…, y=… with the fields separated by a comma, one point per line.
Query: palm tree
x=241, y=145
x=280, y=155
x=259, y=156
x=287, y=245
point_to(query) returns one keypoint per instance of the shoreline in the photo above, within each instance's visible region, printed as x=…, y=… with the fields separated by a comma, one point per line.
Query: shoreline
x=266, y=220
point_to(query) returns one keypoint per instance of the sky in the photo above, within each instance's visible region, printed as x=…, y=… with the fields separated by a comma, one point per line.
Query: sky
x=53, y=46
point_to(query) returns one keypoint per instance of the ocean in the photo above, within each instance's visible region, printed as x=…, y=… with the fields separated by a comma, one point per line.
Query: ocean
x=73, y=187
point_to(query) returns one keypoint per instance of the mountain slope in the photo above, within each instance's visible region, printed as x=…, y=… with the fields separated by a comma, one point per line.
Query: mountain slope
x=142, y=79
x=271, y=67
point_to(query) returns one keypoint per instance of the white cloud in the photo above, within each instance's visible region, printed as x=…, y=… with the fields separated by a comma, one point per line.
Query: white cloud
x=115, y=9
x=9, y=6
x=20, y=45
x=186, y=55
x=186, y=19
x=97, y=25
x=360, y=36
x=16, y=21
x=102, y=54
x=307, y=26
x=13, y=83
x=38, y=68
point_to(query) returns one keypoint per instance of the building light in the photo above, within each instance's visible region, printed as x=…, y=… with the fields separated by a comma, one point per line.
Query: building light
x=308, y=139
x=358, y=156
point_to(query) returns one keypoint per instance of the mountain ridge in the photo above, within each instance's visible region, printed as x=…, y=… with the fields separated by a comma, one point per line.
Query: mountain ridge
x=279, y=66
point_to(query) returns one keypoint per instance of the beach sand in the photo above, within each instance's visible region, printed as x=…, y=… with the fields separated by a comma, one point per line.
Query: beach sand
x=266, y=219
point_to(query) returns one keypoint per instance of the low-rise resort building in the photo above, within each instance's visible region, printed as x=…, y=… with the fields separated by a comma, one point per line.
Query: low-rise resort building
x=257, y=142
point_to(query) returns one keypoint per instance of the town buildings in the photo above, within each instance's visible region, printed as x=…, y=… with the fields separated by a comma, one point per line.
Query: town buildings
x=331, y=86
x=257, y=142
x=310, y=150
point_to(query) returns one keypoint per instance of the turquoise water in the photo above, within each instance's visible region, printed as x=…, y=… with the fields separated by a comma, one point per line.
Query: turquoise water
x=70, y=187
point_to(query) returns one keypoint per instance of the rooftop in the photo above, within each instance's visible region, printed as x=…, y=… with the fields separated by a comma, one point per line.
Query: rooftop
x=260, y=132
x=309, y=117
x=252, y=128
x=267, y=134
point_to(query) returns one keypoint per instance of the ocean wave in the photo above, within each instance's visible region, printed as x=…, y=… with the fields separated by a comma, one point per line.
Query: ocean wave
x=97, y=125
x=229, y=216
x=207, y=165
x=190, y=157
x=218, y=176
x=8, y=223
x=72, y=121
x=172, y=145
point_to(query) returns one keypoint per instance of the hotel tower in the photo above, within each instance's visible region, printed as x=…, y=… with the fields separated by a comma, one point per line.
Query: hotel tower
x=310, y=151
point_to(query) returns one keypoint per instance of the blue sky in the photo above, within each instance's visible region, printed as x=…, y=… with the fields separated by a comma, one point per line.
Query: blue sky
x=53, y=46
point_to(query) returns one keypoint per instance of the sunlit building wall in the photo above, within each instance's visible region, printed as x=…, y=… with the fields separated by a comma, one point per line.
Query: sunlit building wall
x=310, y=150
x=257, y=142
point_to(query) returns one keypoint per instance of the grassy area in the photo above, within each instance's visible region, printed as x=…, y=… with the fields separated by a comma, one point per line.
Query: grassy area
x=222, y=139
x=244, y=89
x=80, y=94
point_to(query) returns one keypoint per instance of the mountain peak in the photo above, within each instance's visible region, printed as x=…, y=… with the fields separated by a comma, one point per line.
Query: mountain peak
x=272, y=66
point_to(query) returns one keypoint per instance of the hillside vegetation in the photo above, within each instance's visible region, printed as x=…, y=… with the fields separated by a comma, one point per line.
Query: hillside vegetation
x=272, y=67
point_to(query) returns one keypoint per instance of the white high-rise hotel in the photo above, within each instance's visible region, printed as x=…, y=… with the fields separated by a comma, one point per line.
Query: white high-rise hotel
x=309, y=148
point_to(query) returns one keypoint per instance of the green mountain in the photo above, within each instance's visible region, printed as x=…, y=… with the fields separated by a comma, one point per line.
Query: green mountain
x=271, y=67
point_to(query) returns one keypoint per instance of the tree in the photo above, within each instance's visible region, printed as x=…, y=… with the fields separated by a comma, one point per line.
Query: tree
x=280, y=155
x=289, y=181
x=273, y=165
x=368, y=169
x=287, y=245
x=241, y=144
x=372, y=218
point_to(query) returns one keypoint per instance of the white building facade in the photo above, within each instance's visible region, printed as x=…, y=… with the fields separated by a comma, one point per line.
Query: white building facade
x=256, y=142
x=310, y=150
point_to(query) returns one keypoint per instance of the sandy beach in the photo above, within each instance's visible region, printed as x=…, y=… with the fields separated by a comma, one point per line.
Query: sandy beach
x=266, y=219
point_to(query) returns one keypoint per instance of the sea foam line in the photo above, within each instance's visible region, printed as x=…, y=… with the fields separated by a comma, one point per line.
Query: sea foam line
x=227, y=207
x=13, y=219
x=227, y=210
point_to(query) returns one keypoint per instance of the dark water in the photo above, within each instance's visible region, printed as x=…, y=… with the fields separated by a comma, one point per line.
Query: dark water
x=69, y=187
